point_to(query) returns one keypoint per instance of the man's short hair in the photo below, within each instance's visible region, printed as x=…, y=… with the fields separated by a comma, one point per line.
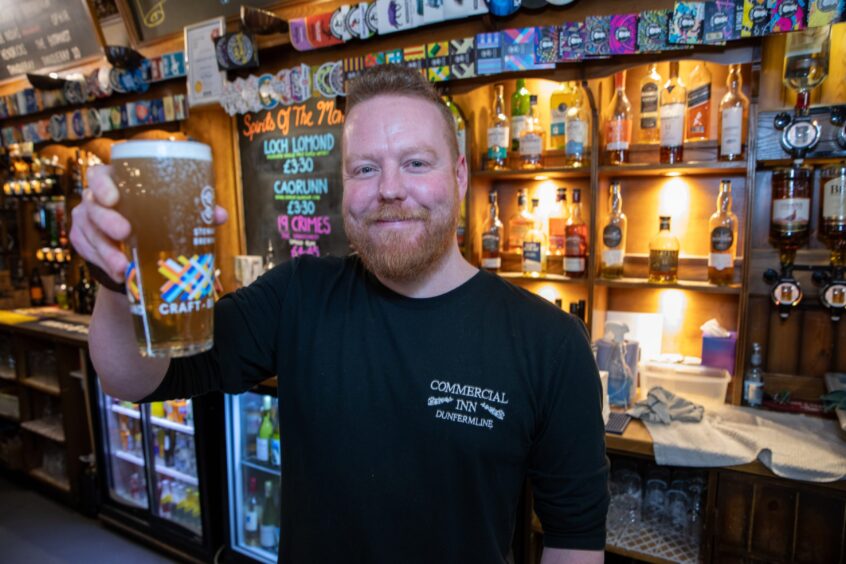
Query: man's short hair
x=386, y=80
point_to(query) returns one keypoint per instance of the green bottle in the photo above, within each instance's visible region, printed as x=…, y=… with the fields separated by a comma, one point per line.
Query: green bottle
x=265, y=433
x=460, y=125
x=520, y=108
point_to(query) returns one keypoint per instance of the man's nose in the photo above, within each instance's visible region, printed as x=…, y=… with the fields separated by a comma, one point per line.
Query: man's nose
x=392, y=184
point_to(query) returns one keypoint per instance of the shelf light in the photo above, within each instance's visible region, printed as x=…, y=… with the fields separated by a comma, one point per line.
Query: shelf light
x=673, y=173
x=541, y=177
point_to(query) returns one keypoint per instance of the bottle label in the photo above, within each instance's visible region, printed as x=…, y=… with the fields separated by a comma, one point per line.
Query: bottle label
x=612, y=257
x=531, y=256
x=518, y=233
x=721, y=239
x=518, y=126
x=575, y=244
x=267, y=536
x=557, y=120
x=753, y=392
x=576, y=137
x=275, y=452
x=492, y=263
x=791, y=212
x=731, y=137
x=262, y=450
x=663, y=261
x=618, y=134
x=698, y=105
x=612, y=236
x=834, y=200
x=461, y=137
x=720, y=261
x=649, y=106
x=672, y=125
x=490, y=242
x=574, y=264
x=531, y=145
x=251, y=521
x=498, y=142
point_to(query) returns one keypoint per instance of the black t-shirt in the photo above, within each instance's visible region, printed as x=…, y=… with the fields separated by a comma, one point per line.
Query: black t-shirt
x=408, y=426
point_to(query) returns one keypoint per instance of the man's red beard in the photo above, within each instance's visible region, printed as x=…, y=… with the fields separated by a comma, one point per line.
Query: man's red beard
x=397, y=254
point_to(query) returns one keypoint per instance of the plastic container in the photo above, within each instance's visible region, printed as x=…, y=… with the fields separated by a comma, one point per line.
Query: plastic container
x=699, y=384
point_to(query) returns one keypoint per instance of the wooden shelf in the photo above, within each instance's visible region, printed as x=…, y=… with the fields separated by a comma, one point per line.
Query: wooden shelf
x=7, y=374
x=61, y=484
x=42, y=384
x=548, y=173
x=729, y=168
x=49, y=427
x=545, y=277
x=693, y=285
x=8, y=417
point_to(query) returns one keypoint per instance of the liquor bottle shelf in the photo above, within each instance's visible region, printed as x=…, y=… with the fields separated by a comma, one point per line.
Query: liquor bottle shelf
x=43, y=384
x=49, y=427
x=553, y=173
x=694, y=285
x=546, y=276
x=168, y=424
x=133, y=413
x=694, y=168
x=59, y=483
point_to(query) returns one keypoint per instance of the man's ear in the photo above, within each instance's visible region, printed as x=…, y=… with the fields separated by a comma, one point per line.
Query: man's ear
x=461, y=176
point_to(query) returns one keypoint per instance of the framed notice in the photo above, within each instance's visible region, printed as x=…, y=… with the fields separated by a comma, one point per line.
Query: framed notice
x=205, y=81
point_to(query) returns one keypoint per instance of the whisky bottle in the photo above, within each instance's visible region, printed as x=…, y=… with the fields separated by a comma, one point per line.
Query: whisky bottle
x=734, y=113
x=650, y=85
x=460, y=124
x=531, y=139
x=664, y=254
x=492, y=236
x=614, y=236
x=790, y=210
x=722, y=226
x=575, y=251
x=832, y=229
x=618, y=123
x=557, y=224
x=560, y=101
x=672, y=102
x=699, y=103
x=520, y=106
x=498, y=139
x=519, y=224
x=577, y=131
x=534, y=246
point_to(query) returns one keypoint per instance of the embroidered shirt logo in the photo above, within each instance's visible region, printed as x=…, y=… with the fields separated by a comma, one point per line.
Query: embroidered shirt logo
x=461, y=404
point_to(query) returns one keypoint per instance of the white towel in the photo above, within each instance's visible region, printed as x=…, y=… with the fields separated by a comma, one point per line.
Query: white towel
x=792, y=446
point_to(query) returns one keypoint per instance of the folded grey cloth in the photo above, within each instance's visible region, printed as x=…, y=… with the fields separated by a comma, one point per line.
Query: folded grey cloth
x=661, y=406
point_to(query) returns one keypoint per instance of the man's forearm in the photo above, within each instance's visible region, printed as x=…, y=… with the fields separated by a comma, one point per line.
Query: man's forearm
x=123, y=372
x=571, y=556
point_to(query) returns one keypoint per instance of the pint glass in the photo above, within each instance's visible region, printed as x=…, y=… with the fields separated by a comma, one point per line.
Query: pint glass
x=166, y=194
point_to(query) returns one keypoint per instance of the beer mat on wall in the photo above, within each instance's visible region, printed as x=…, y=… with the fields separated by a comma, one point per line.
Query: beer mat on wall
x=623, y=34
x=546, y=44
x=688, y=23
x=788, y=15
x=719, y=22
x=571, y=42
x=597, y=41
x=415, y=58
x=462, y=57
x=825, y=12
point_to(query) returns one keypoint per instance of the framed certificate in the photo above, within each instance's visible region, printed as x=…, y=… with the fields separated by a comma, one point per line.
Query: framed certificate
x=205, y=81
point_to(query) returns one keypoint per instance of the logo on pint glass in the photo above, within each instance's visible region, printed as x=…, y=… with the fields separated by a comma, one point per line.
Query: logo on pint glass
x=207, y=203
x=132, y=283
x=187, y=280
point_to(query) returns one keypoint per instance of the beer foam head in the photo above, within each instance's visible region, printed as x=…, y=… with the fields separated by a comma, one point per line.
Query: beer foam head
x=161, y=149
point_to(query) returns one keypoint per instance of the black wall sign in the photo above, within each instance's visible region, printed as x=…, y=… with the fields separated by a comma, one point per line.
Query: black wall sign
x=291, y=176
x=42, y=34
x=155, y=19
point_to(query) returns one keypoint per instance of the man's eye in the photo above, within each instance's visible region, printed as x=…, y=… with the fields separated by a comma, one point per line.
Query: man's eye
x=416, y=164
x=364, y=170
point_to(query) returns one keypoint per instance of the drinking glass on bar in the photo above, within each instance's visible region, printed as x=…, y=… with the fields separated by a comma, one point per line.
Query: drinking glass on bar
x=167, y=196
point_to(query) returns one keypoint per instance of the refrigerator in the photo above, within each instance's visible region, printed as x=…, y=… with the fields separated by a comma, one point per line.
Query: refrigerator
x=153, y=484
x=253, y=464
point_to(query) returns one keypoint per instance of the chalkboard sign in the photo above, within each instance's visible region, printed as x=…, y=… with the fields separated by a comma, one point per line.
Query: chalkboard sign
x=156, y=19
x=44, y=34
x=291, y=174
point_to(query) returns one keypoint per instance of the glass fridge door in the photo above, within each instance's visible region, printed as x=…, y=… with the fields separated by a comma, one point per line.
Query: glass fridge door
x=174, y=477
x=124, y=451
x=254, y=470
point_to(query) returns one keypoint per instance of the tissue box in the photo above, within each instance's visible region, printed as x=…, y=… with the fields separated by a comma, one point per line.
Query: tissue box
x=720, y=352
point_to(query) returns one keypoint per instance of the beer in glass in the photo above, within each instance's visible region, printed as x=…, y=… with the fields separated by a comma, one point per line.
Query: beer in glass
x=167, y=196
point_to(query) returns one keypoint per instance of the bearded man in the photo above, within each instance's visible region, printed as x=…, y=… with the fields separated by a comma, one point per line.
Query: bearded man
x=416, y=392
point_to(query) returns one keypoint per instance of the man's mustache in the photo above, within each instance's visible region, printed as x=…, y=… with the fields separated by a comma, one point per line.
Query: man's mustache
x=395, y=213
